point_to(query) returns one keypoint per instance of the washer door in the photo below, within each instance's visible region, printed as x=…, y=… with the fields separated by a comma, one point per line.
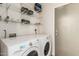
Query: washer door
x=46, y=48
x=33, y=51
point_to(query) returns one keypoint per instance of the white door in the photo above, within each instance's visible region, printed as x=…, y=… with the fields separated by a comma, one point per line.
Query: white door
x=67, y=35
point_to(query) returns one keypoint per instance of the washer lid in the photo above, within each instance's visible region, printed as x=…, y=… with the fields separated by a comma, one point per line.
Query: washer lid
x=33, y=51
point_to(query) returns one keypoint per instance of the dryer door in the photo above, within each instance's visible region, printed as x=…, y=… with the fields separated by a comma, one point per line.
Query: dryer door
x=47, y=48
x=33, y=51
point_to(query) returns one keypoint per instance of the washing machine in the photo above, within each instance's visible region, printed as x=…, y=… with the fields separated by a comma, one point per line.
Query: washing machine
x=45, y=42
x=20, y=46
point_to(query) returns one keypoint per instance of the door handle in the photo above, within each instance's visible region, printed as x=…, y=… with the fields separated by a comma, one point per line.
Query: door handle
x=56, y=33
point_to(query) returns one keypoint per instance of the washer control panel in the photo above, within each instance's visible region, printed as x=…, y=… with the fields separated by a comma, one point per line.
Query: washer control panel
x=18, y=49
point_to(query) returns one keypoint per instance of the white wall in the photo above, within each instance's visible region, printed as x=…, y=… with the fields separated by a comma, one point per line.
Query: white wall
x=14, y=13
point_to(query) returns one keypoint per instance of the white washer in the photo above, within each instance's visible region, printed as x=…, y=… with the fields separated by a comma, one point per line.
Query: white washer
x=20, y=46
x=45, y=43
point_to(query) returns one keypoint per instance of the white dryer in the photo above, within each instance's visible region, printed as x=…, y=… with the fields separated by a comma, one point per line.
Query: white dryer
x=45, y=43
x=20, y=46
